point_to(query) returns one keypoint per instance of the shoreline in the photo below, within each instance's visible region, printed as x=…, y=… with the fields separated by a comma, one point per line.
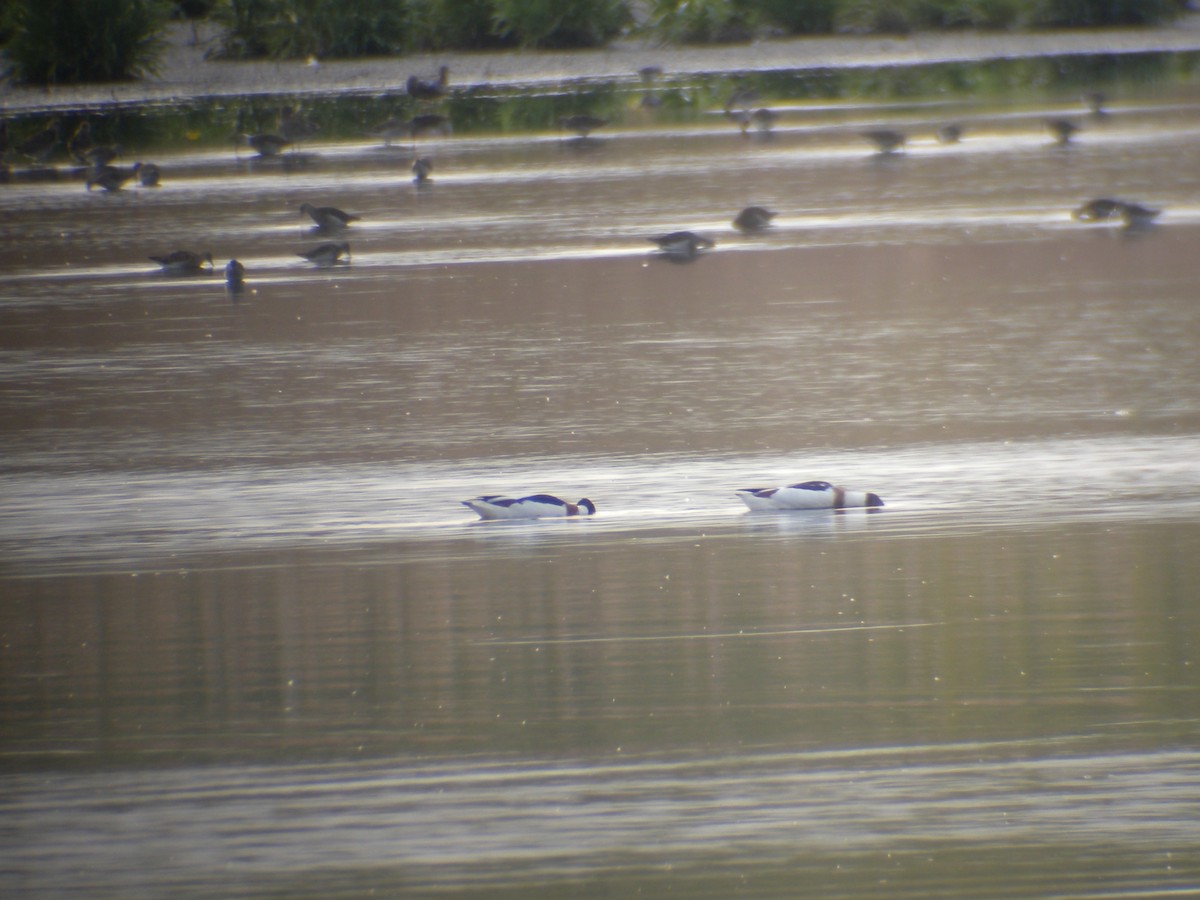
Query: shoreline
x=185, y=75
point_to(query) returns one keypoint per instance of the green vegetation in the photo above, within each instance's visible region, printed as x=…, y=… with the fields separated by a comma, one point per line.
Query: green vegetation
x=910, y=15
x=63, y=41
x=67, y=41
x=560, y=23
x=1087, y=13
x=445, y=24
x=718, y=20
x=701, y=22
x=323, y=28
x=342, y=28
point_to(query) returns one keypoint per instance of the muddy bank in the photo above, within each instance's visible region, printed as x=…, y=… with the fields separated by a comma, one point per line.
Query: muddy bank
x=187, y=74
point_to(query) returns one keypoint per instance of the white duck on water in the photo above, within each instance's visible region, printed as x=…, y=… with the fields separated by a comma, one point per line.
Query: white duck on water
x=807, y=495
x=536, y=506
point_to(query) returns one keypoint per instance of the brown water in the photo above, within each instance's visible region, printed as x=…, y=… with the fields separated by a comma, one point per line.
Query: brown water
x=253, y=645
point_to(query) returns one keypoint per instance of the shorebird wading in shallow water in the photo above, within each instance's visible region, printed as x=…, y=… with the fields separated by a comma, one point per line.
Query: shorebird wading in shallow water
x=537, y=506
x=1097, y=210
x=1096, y=103
x=183, y=262
x=682, y=245
x=421, y=168
x=885, y=140
x=1061, y=130
x=108, y=177
x=266, y=144
x=807, y=495
x=949, y=134
x=328, y=218
x=1136, y=216
x=428, y=90
x=327, y=254
x=753, y=218
x=1104, y=208
x=582, y=124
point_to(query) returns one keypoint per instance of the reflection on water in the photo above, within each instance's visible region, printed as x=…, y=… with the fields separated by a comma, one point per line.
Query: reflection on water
x=249, y=631
x=640, y=713
x=838, y=821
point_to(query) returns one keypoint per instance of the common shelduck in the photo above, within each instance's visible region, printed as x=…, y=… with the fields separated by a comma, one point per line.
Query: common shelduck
x=807, y=495
x=494, y=506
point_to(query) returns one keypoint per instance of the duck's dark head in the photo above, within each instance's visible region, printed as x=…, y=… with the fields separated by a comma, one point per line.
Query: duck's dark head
x=587, y=506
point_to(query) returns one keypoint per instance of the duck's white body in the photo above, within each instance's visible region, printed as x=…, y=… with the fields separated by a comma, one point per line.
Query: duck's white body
x=494, y=506
x=807, y=495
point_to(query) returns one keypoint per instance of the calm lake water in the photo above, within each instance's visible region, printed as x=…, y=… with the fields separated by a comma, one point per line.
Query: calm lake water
x=252, y=644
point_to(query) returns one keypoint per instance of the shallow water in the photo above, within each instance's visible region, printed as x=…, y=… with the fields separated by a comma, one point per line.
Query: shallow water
x=253, y=644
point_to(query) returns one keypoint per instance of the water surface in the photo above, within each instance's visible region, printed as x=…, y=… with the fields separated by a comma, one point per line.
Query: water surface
x=254, y=645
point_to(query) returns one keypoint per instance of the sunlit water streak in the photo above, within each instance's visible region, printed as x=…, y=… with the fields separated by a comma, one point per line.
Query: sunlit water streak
x=48, y=520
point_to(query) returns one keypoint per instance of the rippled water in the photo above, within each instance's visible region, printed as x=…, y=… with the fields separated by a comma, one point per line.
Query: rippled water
x=253, y=644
